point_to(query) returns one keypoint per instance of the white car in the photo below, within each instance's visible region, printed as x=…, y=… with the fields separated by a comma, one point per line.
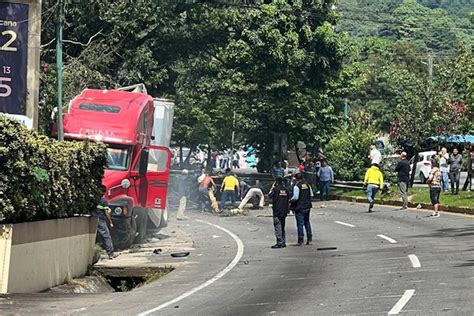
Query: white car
x=423, y=167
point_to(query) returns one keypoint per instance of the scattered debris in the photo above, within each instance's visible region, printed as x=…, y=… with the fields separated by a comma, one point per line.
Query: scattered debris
x=327, y=248
x=254, y=229
x=180, y=254
x=157, y=251
x=216, y=236
x=246, y=262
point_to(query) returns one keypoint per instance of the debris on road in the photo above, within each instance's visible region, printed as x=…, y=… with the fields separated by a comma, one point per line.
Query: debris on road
x=180, y=254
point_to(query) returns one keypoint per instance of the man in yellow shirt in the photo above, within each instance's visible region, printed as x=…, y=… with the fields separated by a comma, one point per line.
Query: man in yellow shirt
x=373, y=181
x=229, y=187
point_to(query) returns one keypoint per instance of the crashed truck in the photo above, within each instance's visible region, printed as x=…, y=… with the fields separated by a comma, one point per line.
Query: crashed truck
x=136, y=129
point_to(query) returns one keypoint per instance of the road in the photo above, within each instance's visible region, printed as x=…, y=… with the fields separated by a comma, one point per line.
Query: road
x=385, y=262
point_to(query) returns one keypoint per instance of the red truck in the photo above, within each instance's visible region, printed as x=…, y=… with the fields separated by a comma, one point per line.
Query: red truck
x=138, y=170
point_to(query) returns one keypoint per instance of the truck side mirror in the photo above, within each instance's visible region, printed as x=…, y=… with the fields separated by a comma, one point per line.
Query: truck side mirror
x=143, y=162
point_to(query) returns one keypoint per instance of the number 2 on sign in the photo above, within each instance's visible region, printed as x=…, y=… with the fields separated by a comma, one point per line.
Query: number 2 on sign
x=6, y=46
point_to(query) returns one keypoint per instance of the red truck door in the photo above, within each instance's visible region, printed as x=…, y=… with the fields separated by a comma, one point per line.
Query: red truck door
x=156, y=178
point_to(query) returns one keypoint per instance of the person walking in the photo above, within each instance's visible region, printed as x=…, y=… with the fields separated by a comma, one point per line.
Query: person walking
x=280, y=203
x=373, y=180
x=444, y=169
x=301, y=197
x=102, y=212
x=403, y=175
x=455, y=164
x=375, y=156
x=326, y=178
x=434, y=183
x=229, y=187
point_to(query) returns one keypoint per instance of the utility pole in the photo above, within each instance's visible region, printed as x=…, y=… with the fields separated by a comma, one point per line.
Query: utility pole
x=59, y=66
x=233, y=132
x=430, y=78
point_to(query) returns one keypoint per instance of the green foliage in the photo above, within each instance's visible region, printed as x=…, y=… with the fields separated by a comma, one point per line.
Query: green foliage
x=432, y=24
x=42, y=178
x=349, y=148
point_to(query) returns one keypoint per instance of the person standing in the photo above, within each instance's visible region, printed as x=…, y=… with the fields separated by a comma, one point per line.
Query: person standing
x=235, y=160
x=229, y=187
x=278, y=171
x=444, y=169
x=373, y=180
x=434, y=183
x=326, y=177
x=470, y=169
x=206, y=184
x=102, y=212
x=302, y=194
x=375, y=156
x=280, y=203
x=403, y=175
x=455, y=163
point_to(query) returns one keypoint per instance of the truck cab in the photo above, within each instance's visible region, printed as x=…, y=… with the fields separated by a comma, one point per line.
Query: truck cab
x=137, y=174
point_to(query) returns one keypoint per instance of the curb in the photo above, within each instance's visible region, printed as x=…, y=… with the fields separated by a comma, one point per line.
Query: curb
x=444, y=208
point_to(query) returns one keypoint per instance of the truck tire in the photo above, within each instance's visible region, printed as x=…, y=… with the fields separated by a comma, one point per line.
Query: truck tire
x=142, y=224
x=125, y=238
x=164, y=218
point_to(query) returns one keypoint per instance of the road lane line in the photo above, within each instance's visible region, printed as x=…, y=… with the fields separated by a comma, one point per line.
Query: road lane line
x=402, y=302
x=345, y=224
x=414, y=261
x=391, y=240
x=238, y=256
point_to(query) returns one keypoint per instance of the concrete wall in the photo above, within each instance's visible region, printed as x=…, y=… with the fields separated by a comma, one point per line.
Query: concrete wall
x=35, y=256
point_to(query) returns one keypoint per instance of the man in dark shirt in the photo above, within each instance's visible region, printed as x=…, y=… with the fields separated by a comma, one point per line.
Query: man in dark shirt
x=403, y=174
x=280, y=202
x=102, y=212
x=302, y=194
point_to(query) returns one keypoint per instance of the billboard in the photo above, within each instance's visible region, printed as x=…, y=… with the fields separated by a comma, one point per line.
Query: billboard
x=13, y=57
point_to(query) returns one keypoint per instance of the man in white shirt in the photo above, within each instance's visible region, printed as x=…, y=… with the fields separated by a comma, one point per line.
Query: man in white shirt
x=375, y=156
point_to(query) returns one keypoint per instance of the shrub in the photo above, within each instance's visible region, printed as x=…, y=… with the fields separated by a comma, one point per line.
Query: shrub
x=41, y=178
x=348, y=149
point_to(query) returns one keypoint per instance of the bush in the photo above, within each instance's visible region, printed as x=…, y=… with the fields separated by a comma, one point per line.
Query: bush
x=348, y=149
x=41, y=178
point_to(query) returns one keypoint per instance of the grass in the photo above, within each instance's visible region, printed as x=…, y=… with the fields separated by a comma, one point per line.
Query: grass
x=415, y=195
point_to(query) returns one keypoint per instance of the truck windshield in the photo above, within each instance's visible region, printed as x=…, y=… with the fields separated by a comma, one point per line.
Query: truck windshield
x=118, y=158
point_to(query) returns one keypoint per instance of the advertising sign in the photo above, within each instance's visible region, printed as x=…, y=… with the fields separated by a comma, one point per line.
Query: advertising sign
x=13, y=57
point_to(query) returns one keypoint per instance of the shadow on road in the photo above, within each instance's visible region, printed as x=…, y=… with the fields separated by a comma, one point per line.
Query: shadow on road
x=469, y=263
x=450, y=232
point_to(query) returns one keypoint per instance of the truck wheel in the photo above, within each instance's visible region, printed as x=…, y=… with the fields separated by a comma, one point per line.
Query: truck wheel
x=422, y=178
x=142, y=224
x=125, y=238
x=164, y=218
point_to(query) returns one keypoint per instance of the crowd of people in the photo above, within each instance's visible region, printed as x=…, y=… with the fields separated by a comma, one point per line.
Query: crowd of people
x=445, y=169
x=238, y=158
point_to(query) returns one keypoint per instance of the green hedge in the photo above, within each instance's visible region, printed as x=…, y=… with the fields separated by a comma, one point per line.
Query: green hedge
x=41, y=178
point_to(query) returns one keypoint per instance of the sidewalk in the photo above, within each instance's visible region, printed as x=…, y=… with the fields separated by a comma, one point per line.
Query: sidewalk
x=168, y=240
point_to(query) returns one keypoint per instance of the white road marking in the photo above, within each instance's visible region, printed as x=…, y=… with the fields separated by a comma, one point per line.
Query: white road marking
x=238, y=256
x=345, y=224
x=414, y=261
x=402, y=302
x=392, y=241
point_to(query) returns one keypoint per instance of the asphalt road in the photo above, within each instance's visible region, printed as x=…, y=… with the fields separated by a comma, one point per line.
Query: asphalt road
x=387, y=261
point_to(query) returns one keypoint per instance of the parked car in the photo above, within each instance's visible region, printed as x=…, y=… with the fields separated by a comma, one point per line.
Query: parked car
x=423, y=167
